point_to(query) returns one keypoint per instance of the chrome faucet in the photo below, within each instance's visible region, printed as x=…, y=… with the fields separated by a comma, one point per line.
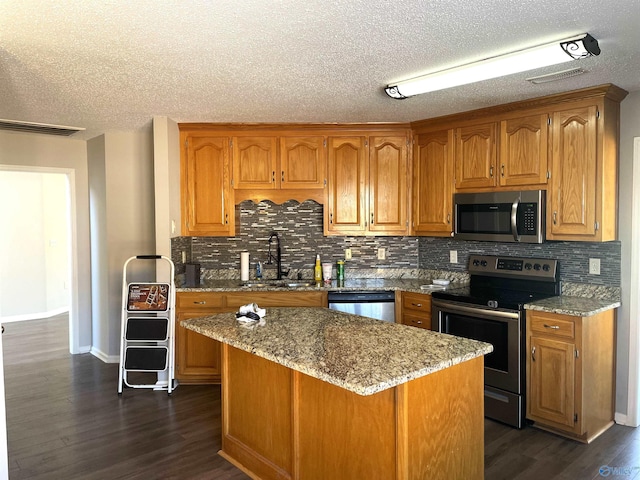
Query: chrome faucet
x=277, y=257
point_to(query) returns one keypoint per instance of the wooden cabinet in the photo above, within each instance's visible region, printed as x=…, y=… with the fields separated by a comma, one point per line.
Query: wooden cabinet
x=571, y=373
x=523, y=150
x=416, y=310
x=367, y=185
x=520, y=160
x=255, y=162
x=433, y=178
x=198, y=356
x=206, y=195
x=279, y=162
x=582, y=194
x=475, y=155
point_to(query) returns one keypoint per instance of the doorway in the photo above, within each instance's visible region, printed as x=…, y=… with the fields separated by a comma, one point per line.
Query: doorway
x=35, y=251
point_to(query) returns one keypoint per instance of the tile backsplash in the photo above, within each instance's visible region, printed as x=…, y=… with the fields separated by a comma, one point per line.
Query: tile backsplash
x=300, y=228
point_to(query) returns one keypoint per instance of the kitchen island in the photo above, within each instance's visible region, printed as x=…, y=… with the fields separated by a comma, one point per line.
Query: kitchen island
x=316, y=394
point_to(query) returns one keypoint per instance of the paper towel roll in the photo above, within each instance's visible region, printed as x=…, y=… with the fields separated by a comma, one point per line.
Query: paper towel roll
x=244, y=266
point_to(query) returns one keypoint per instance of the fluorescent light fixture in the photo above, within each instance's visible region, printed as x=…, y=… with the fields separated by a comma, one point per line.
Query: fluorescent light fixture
x=574, y=48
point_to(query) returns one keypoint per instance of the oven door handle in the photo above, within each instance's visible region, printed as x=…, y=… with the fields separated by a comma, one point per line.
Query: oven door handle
x=514, y=219
x=476, y=310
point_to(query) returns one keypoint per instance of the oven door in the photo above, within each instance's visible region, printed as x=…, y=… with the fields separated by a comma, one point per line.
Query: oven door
x=501, y=328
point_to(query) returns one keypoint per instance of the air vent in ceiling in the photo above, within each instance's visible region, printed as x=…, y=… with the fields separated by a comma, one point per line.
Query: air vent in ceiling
x=44, y=128
x=552, y=77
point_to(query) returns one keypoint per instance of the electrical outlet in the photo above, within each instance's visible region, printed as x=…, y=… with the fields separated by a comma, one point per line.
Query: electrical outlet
x=184, y=257
x=347, y=254
x=382, y=254
x=453, y=256
x=594, y=266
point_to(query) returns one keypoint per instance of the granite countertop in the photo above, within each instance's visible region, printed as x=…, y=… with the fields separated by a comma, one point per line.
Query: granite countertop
x=350, y=284
x=357, y=353
x=575, y=306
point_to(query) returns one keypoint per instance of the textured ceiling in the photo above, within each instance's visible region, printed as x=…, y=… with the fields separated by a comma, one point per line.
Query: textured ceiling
x=114, y=64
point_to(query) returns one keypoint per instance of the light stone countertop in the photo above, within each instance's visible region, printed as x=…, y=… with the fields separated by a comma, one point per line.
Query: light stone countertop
x=589, y=301
x=350, y=284
x=575, y=306
x=357, y=353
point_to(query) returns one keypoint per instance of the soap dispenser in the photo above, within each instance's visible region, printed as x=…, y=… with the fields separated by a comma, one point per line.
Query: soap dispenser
x=317, y=271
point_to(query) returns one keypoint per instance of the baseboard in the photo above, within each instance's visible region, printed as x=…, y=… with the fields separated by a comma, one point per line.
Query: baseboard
x=84, y=349
x=623, y=419
x=104, y=357
x=34, y=316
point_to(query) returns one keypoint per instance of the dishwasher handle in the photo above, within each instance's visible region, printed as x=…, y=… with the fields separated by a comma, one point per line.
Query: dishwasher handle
x=361, y=297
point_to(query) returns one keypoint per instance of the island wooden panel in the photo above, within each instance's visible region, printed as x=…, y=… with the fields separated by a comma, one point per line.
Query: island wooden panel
x=283, y=424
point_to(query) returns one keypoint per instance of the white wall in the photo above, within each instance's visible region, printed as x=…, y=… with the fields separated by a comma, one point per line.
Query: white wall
x=627, y=219
x=166, y=164
x=122, y=206
x=34, y=262
x=68, y=156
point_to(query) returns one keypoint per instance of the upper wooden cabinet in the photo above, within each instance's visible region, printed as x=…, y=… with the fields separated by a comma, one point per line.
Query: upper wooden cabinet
x=433, y=184
x=207, y=198
x=255, y=162
x=475, y=155
x=367, y=186
x=523, y=150
x=279, y=162
x=303, y=162
x=574, y=192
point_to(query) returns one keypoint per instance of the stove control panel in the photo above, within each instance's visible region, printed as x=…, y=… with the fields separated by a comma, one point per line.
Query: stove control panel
x=538, y=268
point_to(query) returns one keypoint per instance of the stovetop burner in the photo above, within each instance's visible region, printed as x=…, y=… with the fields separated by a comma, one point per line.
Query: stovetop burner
x=506, y=282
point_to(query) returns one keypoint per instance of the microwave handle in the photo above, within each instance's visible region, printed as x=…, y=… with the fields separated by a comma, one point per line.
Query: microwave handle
x=514, y=219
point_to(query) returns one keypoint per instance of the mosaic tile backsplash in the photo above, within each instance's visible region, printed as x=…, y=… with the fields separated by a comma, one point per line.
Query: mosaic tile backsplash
x=300, y=228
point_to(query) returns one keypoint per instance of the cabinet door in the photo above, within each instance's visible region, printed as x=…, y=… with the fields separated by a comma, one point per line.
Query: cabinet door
x=207, y=203
x=552, y=381
x=347, y=178
x=302, y=162
x=388, y=185
x=254, y=163
x=476, y=156
x=523, y=150
x=433, y=184
x=197, y=356
x=573, y=173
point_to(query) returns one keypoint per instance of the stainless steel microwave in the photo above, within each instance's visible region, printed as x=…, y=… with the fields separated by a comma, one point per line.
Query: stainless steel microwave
x=500, y=216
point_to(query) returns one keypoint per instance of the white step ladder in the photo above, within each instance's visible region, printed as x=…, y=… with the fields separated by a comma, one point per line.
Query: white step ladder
x=147, y=332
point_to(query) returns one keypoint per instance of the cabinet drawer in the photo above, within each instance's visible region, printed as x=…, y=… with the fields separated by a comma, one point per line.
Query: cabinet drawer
x=415, y=320
x=552, y=325
x=199, y=300
x=416, y=302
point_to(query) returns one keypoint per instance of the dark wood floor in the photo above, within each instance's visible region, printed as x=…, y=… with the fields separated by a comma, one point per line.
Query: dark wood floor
x=65, y=420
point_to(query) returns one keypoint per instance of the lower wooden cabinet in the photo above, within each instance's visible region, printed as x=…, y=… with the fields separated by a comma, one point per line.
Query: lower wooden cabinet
x=197, y=356
x=571, y=373
x=416, y=310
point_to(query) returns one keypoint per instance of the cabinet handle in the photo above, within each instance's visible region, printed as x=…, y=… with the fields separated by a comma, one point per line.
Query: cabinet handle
x=371, y=218
x=226, y=219
x=331, y=217
x=273, y=176
x=553, y=327
x=502, y=170
x=491, y=171
x=533, y=353
x=448, y=218
x=417, y=305
x=282, y=178
x=203, y=302
x=417, y=322
x=555, y=218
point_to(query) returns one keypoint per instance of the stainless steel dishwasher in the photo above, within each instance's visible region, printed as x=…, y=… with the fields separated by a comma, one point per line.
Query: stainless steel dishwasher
x=374, y=304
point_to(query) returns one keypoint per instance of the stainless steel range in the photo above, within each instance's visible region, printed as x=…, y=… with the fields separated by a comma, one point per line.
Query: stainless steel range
x=491, y=309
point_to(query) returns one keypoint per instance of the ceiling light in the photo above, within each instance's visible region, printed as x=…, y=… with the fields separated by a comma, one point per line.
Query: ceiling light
x=573, y=48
